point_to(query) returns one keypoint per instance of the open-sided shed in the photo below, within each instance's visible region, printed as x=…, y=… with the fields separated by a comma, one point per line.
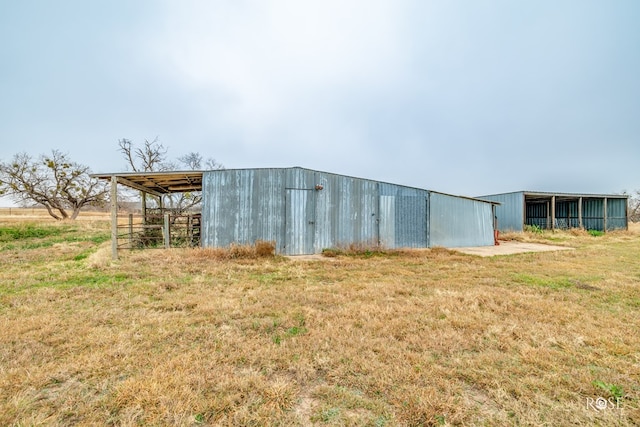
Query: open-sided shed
x=304, y=211
x=602, y=212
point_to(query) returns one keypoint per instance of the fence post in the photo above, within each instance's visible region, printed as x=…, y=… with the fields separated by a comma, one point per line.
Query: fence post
x=167, y=231
x=114, y=217
x=130, y=231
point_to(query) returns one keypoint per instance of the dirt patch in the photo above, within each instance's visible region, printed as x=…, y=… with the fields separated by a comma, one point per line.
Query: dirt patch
x=510, y=248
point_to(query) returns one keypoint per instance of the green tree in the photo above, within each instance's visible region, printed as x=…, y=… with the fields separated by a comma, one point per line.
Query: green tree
x=62, y=186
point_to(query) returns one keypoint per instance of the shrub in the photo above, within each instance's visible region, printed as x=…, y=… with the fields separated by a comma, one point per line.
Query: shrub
x=261, y=249
x=265, y=248
x=533, y=229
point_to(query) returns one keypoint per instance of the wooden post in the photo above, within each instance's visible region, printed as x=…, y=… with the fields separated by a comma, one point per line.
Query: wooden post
x=580, y=222
x=604, y=214
x=114, y=217
x=143, y=202
x=130, y=231
x=167, y=231
x=524, y=211
x=553, y=212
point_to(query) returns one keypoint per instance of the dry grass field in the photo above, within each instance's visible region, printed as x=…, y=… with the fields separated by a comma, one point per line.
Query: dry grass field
x=435, y=337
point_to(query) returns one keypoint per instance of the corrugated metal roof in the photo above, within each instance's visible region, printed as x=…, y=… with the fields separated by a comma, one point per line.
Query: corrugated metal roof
x=166, y=182
x=557, y=194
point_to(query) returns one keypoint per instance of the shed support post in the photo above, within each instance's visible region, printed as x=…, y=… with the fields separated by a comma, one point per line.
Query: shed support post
x=167, y=231
x=114, y=217
x=580, y=222
x=604, y=214
x=143, y=203
x=553, y=212
x=524, y=212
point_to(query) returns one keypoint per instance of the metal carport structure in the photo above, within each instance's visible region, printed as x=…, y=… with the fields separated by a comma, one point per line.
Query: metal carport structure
x=158, y=184
x=548, y=210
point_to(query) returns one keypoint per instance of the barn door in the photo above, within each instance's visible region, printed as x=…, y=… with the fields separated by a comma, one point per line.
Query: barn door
x=300, y=221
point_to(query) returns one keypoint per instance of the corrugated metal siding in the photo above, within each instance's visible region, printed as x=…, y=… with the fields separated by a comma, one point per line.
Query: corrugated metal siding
x=403, y=217
x=593, y=214
x=300, y=221
x=616, y=214
x=346, y=211
x=567, y=214
x=510, y=212
x=537, y=214
x=387, y=224
x=456, y=221
x=288, y=207
x=242, y=206
x=300, y=213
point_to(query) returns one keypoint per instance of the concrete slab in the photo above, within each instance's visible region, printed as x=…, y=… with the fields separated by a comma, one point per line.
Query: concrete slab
x=510, y=248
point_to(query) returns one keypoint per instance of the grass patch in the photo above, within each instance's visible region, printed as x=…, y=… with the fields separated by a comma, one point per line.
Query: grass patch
x=428, y=337
x=31, y=231
x=542, y=281
x=613, y=390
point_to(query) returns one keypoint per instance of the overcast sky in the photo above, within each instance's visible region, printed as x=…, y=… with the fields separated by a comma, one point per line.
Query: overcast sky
x=463, y=97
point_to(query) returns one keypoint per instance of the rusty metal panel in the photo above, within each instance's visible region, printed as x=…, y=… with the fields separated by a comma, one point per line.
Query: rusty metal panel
x=458, y=221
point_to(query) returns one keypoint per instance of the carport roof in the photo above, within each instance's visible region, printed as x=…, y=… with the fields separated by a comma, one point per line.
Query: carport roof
x=167, y=182
x=548, y=195
x=158, y=182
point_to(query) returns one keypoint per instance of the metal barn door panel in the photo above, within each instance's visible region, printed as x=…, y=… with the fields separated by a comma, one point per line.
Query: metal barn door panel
x=300, y=222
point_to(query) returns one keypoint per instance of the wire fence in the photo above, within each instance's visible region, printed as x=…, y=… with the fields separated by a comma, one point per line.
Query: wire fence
x=159, y=230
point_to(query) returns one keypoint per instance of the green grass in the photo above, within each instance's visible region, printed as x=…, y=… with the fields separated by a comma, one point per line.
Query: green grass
x=32, y=231
x=35, y=236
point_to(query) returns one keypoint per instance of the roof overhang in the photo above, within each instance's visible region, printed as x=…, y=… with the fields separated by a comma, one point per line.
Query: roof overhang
x=157, y=183
x=544, y=196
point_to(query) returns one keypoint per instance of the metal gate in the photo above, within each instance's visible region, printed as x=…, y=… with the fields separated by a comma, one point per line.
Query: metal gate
x=300, y=221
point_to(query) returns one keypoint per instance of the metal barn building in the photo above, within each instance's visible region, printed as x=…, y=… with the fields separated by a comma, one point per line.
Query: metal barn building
x=305, y=211
x=601, y=212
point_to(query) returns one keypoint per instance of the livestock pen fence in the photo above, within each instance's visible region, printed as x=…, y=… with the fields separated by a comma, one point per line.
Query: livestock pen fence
x=159, y=228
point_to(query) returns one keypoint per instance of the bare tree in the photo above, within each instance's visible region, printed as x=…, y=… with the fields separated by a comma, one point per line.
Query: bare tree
x=63, y=187
x=194, y=161
x=634, y=206
x=152, y=157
